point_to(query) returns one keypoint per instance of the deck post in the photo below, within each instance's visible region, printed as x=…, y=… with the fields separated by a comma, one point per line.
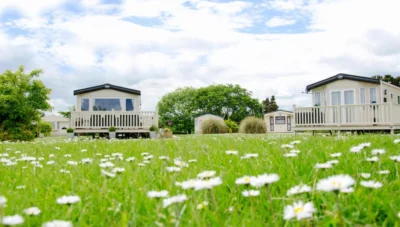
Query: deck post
x=294, y=118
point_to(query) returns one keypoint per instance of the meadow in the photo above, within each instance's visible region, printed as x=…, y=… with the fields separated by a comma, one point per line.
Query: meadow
x=109, y=181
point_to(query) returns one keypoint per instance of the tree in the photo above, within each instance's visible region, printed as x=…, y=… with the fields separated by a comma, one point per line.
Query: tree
x=389, y=79
x=270, y=106
x=177, y=109
x=23, y=99
x=184, y=104
x=228, y=101
x=67, y=114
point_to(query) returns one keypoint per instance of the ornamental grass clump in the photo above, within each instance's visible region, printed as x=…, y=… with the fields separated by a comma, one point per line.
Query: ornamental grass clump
x=252, y=125
x=213, y=126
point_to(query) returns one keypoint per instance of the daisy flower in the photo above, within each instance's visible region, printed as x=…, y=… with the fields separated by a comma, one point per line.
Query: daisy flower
x=58, y=223
x=248, y=193
x=74, y=163
x=173, y=169
x=106, y=165
x=396, y=141
x=202, y=205
x=365, y=175
x=371, y=184
x=347, y=190
x=378, y=151
x=206, y=174
x=163, y=158
x=299, y=189
x=294, y=151
x=12, y=220
x=299, y=210
x=335, y=183
x=264, y=179
x=333, y=162
x=192, y=160
x=32, y=211
x=290, y=146
x=180, y=163
x=231, y=152
x=356, y=149
x=247, y=156
x=373, y=159
x=157, y=194
x=290, y=155
x=118, y=170
x=244, y=180
x=395, y=158
x=3, y=201
x=86, y=160
x=295, y=142
x=130, y=159
x=68, y=200
x=208, y=184
x=21, y=187
x=384, y=172
x=175, y=199
x=323, y=166
x=335, y=155
x=108, y=174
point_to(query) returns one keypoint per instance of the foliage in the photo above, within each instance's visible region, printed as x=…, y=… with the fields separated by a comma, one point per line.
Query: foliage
x=70, y=130
x=179, y=108
x=252, y=125
x=45, y=128
x=23, y=99
x=389, y=79
x=112, y=129
x=213, y=126
x=229, y=101
x=153, y=128
x=269, y=106
x=67, y=114
x=176, y=110
x=232, y=126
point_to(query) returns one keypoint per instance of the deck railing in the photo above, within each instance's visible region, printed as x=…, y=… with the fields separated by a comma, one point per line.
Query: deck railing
x=118, y=119
x=347, y=115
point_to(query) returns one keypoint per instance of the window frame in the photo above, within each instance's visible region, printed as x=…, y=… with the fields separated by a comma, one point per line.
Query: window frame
x=361, y=96
x=376, y=95
x=88, y=101
x=277, y=120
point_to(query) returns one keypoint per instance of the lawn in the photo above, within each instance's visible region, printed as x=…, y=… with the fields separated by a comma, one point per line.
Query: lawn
x=38, y=174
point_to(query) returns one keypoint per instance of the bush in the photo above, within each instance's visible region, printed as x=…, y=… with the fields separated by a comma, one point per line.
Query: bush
x=45, y=128
x=153, y=128
x=70, y=130
x=232, y=126
x=167, y=130
x=213, y=126
x=252, y=125
x=17, y=134
x=112, y=129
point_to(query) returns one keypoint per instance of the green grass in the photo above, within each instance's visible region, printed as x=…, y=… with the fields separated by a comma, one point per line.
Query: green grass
x=122, y=201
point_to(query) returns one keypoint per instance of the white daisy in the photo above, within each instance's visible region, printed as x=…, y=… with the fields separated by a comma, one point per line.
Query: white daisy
x=244, y=180
x=202, y=205
x=148, y=157
x=68, y=199
x=247, y=156
x=335, y=155
x=86, y=160
x=106, y=165
x=74, y=163
x=188, y=184
x=173, y=169
x=130, y=159
x=323, y=166
x=208, y=184
x=32, y=211
x=395, y=158
x=108, y=174
x=384, y=172
x=335, y=183
x=58, y=223
x=371, y=184
x=3, y=201
x=347, y=190
x=299, y=210
x=378, y=151
x=118, y=170
x=290, y=146
x=396, y=141
x=12, y=220
x=264, y=179
x=365, y=175
x=157, y=194
x=163, y=158
x=51, y=162
x=373, y=159
x=180, y=163
x=299, y=189
x=192, y=160
x=290, y=155
x=250, y=193
x=356, y=149
x=294, y=151
x=175, y=199
x=231, y=152
x=64, y=171
x=295, y=142
x=206, y=174
x=83, y=150
x=333, y=162
x=21, y=187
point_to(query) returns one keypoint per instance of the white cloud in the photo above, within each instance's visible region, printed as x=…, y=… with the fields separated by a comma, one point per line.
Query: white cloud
x=90, y=48
x=278, y=22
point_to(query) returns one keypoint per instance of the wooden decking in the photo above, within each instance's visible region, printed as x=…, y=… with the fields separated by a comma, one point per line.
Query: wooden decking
x=123, y=121
x=384, y=116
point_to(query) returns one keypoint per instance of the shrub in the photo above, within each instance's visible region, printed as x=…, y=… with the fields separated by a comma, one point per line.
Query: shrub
x=252, y=125
x=167, y=130
x=70, y=130
x=112, y=129
x=232, y=126
x=213, y=126
x=45, y=128
x=153, y=128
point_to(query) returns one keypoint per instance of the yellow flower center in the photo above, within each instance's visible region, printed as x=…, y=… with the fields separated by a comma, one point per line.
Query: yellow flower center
x=298, y=209
x=247, y=179
x=338, y=184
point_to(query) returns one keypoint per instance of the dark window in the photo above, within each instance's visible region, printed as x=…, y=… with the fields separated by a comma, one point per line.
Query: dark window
x=129, y=105
x=84, y=104
x=271, y=124
x=385, y=92
x=384, y=100
x=107, y=105
x=398, y=99
x=279, y=120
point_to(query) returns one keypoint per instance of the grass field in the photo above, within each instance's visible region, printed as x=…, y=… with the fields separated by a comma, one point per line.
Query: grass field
x=122, y=200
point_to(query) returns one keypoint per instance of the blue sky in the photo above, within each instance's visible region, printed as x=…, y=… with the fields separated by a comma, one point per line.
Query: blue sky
x=270, y=47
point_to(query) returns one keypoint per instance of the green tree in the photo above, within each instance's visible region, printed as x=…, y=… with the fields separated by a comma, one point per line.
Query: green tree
x=67, y=114
x=23, y=99
x=177, y=110
x=389, y=79
x=228, y=101
x=270, y=106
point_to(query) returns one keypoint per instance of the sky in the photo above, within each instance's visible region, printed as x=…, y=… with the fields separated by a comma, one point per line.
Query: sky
x=269, y=47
